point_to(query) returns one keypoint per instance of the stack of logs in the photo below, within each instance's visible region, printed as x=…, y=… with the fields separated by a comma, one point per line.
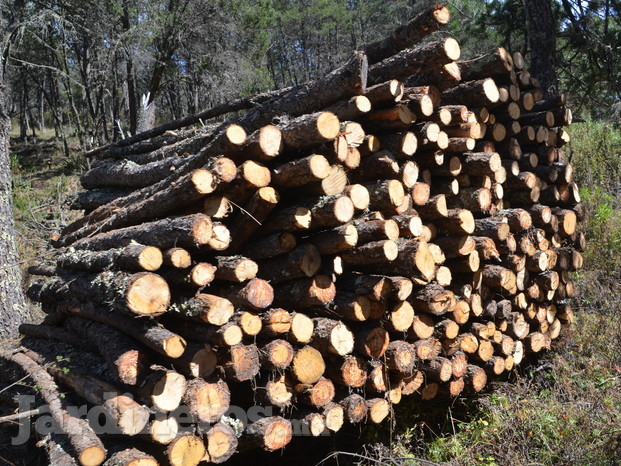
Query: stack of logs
x=405, y=225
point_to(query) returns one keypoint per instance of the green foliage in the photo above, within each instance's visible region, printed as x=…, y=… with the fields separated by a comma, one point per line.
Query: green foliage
x=595, y=152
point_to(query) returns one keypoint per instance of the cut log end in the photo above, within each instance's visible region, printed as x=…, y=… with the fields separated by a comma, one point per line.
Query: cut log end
x=308, y=365
x=235, y=134
x=92, y=456
x=452, y=49
x=204, y=182
x=328, y=125
x=186, y=450
x=148, y=294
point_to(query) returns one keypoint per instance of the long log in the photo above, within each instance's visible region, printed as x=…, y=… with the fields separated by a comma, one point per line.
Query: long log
x=415, y=60
x=155, y=201
x=425, y=23
x=123, y=356
x=144, y=331
x=86, y=446
x=143, y=293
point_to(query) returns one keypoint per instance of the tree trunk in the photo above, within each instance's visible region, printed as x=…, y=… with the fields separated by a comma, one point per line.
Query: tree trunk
x=13, y=309
x=541, y=28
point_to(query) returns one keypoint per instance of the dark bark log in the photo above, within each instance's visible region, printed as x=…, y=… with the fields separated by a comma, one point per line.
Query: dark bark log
x=123, y=356
x=416, y=60
x=130, y=457
x=191, y=232
x=135, y=209
x=142, y=293
x=144, y=331
x=133, y=257
x=95, y=198
x=426, y=22
x=86, y=446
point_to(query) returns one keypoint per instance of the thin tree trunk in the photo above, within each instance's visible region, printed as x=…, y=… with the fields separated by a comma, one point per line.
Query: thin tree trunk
x=131, y=83
x=541, y=27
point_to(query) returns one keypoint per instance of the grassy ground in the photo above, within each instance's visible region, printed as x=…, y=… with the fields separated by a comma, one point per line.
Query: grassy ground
x=562, y=409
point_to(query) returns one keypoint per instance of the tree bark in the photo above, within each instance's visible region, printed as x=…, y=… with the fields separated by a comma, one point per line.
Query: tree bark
x=541, y=28
x=13, y=309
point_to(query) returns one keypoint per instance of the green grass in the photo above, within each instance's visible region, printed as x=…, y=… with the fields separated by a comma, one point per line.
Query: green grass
x=42, y=179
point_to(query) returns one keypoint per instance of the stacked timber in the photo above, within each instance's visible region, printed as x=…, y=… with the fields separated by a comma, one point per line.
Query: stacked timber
x=404, y=226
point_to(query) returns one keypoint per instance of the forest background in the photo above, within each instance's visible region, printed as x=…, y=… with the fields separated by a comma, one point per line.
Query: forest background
x=79, y=74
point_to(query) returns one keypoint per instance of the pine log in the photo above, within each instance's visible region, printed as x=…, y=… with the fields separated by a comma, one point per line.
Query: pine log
x=95, y=198
x=128, y=174
x=348, y=371
x=332, y=336
x=443, y=78
x=277, y=354
x=221, y=443
x=302, y=328
x=302, y=171
x=498, y=62
x=309, y=130
x=206, y=308
x=432, y=299
x=275, y=390
x=388, y=92
x=413, y=259
x=304, y=261
x=177, y=258
x=350, y=109
x=375, y=287
x=472, y=93
x=242, y=363
x=411, y=383
x=255, y=211
x=415, y=60
x=426, y=22
x=137, y=208
x=256, y=294
x=130, y=457
x=400, y=357
x=185, y=450
x=191, y=231
x=376, y=252
x=199, y=276
x=125, y=359
x=318, y=395
x=128, y=416
x=355, y=408
x=133, y=257
x=86, y=446
x=143, y=293
x=264, y=144
x=146, y=332
x=457, y=222
x=308, y=365
x=397, y=118
x=334, y=416
x=207, y=401
x=496, y=228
